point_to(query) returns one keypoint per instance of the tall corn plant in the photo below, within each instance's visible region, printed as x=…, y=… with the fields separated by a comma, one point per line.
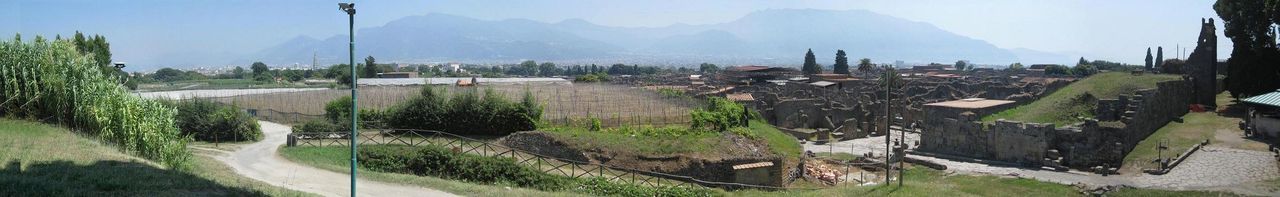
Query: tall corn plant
x=52, y=82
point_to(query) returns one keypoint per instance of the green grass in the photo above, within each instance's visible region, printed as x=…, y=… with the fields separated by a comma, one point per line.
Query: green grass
x=928, y=182
x=780, y=143
x=1063, y=106
x=1196, y=127
x=643, y=140
x=674, y=139
x=337, y=159
x=43, y=160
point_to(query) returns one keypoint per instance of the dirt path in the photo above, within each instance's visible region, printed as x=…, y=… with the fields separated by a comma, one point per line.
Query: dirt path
x=260, y=161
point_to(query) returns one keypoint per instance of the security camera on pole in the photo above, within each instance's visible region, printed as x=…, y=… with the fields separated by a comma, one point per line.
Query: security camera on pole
x=350, y=9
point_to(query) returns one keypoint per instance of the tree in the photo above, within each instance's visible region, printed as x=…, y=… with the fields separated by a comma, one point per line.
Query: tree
x=168, y=75
x=1252, y=68
x=260, y=71
x=1057, y=70
x=17, y=37
x=1082, y=62
x=865, y=65
x=1017, y=66
x=1150, y=65
x=1160, y=56
x=547, y=69
x=842, y=63
x=237, y=73
x=962, y=65
x=708, y=68
x=1084, y=70
x=371, y=68
x=811, y=64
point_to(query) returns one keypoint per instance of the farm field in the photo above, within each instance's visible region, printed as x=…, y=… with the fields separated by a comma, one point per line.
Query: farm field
x=218, y=84
x=562, y=103
x=45, y=160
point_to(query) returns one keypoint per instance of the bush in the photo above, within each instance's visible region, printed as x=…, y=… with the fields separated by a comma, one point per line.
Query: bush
x=466, y=113
x=205, y=120
x=441, y=162
x=719, y=114
x=338, y=112
x=315, y=126
x=53, y=82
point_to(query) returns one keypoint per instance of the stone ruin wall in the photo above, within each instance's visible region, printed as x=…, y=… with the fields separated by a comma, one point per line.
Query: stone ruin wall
x=1082, y=145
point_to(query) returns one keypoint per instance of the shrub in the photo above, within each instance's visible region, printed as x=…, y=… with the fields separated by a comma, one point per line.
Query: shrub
x=53, y=82
x=466, y=112
x=206, y=120
x=441, y=162
x=719, y=114
x=315, y=126
x=338, y=112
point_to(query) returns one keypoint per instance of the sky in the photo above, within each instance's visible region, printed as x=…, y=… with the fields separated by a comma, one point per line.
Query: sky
x=150, y=32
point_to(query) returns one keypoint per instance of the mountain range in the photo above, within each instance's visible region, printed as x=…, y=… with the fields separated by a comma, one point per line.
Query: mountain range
x=767, y=37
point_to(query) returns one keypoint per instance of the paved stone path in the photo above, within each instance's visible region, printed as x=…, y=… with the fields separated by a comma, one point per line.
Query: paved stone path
x=261, y=161
x=1212, y=168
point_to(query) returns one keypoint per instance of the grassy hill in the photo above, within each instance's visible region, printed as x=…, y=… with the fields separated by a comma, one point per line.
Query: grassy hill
x=1063, y=106
x=43, y=160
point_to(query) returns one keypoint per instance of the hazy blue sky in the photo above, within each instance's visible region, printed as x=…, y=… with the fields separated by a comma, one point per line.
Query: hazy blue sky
x=152, y=30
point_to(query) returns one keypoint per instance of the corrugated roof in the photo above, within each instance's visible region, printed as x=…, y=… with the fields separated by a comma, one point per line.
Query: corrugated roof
x=822, y=83
x=1272, y=99
x=752, y=165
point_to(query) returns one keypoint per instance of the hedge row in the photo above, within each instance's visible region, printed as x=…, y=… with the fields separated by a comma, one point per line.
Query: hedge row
x=441, y=162
x=52, y=82
x=466, y=113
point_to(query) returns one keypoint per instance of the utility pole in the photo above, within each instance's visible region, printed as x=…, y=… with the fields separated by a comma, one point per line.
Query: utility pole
x=888, y=98
x=350, y=8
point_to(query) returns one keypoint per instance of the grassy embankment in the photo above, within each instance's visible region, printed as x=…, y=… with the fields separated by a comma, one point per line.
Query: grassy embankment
x=337, y=159
x=213, y=84
x=1063, y=106
x=43, y=160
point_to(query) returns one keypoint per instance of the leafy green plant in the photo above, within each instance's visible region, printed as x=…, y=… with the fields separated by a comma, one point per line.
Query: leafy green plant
x=206, y=120
x=466, y=112
x=719, y=115
x=315, y=126
x=53, y=82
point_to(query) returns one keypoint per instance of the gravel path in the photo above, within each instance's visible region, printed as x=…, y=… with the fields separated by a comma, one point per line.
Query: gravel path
x=260, y=161
x=1212, y=168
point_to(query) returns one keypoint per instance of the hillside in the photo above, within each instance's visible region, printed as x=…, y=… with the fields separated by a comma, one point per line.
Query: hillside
x=1063, y=106
x=42, y=160
x=782, y=34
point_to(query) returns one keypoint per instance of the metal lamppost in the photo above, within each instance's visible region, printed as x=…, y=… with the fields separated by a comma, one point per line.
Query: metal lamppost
x=350, y=9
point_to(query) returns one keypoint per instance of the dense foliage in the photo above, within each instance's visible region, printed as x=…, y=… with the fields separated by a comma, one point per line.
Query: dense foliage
x=53, y=82
x=338, y=111
x=441, y=162
x=466, y=112
x=316, y=126
x=592, y=78
x=719, y=115
x=1255, y=60
x=205, y=120
x=810, y=64
x=842, y=63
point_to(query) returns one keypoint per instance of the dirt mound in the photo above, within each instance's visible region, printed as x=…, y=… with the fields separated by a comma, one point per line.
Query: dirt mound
x=709, y=168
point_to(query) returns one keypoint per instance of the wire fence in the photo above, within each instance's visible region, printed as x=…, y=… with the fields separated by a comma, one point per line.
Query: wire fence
x=563, y=104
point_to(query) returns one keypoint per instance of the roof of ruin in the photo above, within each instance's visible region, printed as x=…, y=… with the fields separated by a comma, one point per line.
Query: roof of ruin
x=752, y=165
x=1272, y=99
x=822, y=83
x=971, y=103
x=740, y=97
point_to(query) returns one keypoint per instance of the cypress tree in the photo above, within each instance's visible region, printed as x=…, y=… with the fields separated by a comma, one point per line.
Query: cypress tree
x=842, y=63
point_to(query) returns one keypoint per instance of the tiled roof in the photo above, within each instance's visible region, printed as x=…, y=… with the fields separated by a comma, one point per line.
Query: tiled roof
x=752, y=165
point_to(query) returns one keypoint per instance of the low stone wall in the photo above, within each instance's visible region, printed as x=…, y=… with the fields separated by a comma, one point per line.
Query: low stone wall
x=1082, y=145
